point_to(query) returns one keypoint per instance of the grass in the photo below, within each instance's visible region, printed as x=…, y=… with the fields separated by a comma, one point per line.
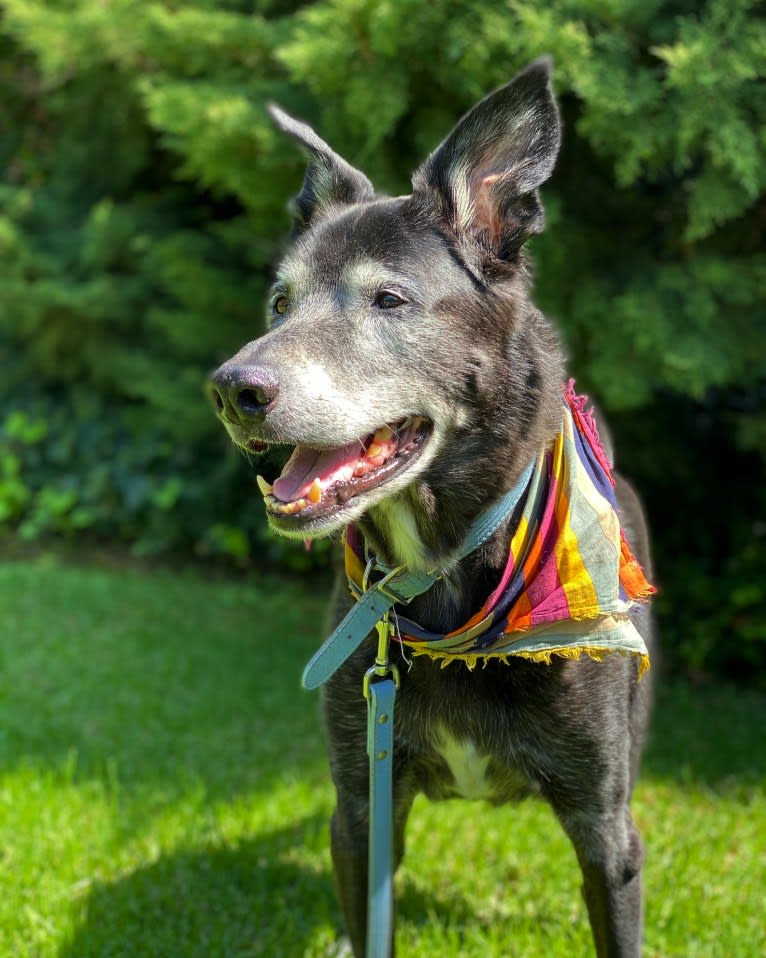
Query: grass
x=163, y=792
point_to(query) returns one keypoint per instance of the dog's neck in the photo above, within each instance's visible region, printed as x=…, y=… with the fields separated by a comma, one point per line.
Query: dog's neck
x=401, y=539
x=400, y=532
x=424, y=526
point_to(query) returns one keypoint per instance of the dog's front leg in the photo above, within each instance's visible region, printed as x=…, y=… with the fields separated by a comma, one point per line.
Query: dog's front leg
x=349, y=857
x=349, y=830
x=610, y=853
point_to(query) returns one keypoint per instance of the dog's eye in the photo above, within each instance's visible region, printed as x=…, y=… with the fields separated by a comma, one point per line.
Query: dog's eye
x=388, y=300
x=279, y=304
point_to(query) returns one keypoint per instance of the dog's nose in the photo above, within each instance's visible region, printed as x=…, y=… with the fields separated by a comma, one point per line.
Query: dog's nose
x=243, y=392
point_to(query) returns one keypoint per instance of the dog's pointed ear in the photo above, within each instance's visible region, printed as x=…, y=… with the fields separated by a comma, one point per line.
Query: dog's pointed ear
x=329, y=178
x=484, y=177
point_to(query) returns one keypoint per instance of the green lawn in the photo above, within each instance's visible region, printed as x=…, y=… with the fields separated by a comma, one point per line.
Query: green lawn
x=164, y=793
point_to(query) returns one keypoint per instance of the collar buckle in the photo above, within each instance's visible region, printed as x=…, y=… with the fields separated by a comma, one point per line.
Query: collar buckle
x=384, y=585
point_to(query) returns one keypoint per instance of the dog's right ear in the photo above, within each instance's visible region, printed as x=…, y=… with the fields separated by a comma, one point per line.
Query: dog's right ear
x=483, y=178
x=329, y=178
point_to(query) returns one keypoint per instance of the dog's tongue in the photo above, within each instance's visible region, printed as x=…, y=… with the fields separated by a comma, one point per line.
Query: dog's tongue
x=304, y=465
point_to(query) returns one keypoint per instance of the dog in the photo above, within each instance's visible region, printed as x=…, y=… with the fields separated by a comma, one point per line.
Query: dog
x=415, y=380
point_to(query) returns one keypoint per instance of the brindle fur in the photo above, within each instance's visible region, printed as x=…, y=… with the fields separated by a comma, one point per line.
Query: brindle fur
x=468, y=350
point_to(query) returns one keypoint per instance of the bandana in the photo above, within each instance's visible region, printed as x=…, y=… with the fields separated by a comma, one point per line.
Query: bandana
x=570, y=580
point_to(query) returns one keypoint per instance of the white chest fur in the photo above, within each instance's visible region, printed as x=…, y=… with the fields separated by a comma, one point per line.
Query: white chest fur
x=467, y=765
x=401, y=531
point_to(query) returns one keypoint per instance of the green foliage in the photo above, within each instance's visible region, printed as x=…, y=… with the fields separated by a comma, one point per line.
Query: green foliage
x=143, y=199
x=707, y=506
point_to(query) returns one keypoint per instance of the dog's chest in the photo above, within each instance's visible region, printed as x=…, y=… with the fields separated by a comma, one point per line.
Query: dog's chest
x=463, y=733
x=467, y=766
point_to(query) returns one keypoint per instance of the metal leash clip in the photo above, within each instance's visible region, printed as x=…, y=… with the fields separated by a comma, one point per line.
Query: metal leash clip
x=383, y=666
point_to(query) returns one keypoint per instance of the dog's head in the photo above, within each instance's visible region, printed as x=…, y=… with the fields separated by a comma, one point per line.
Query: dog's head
x=404, y=361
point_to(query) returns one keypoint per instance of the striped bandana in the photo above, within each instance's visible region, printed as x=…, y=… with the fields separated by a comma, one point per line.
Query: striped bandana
x=570, y=579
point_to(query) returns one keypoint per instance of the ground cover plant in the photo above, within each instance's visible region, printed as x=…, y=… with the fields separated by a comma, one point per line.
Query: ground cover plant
x=164, y=793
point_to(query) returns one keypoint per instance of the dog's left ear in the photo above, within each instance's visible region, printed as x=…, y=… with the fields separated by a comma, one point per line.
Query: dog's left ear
x=484, y=177
x=329, y=178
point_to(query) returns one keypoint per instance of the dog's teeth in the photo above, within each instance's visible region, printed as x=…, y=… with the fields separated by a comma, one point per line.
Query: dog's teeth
x=383, y=434
x=315, y=492
x=264, y=486
x=287, y=508
x=374, y=450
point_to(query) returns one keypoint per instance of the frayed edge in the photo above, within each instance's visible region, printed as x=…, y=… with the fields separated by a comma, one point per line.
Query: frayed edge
x=543, y=656
x=579, y=407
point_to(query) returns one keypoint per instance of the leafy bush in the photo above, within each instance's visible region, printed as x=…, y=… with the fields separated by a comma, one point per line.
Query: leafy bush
x=143, y=201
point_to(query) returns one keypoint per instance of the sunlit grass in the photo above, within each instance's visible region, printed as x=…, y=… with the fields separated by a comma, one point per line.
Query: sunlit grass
x=164, y=793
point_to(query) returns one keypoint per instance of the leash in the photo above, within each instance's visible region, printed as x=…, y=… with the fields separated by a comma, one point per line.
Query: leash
x=380, y=685
x=381, y=681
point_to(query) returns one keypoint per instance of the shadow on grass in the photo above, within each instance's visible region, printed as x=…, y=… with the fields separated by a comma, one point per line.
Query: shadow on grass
x=258, y=898
x=239, y=902
x=707, y=734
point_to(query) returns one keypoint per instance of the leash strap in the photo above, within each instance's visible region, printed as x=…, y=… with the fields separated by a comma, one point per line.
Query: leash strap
x=380, y=868
x=380, y=684
x=372, y=606
x=400, y=586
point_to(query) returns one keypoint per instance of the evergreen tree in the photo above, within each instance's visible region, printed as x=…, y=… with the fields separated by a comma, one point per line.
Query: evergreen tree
x=143, y=197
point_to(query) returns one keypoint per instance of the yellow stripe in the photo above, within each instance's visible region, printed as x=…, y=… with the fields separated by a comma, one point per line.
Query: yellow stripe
x=354, y=566
x=573, y=575
x=519, y=540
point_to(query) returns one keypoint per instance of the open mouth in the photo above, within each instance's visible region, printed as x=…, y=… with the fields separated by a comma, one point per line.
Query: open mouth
x=317, y=483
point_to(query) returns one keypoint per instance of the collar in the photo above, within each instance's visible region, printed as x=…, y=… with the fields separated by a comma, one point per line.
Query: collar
x=375, y=597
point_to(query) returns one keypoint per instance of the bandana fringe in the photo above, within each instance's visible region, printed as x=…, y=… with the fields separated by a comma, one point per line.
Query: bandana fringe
x=544, y=656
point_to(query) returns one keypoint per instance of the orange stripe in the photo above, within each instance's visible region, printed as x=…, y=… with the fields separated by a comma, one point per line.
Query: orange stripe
x=632, y=575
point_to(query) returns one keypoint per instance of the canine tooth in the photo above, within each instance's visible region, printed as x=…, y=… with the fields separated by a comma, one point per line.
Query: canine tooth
x=374, y=450
x=264, y=486
x=315, y=492
x=383, y=434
